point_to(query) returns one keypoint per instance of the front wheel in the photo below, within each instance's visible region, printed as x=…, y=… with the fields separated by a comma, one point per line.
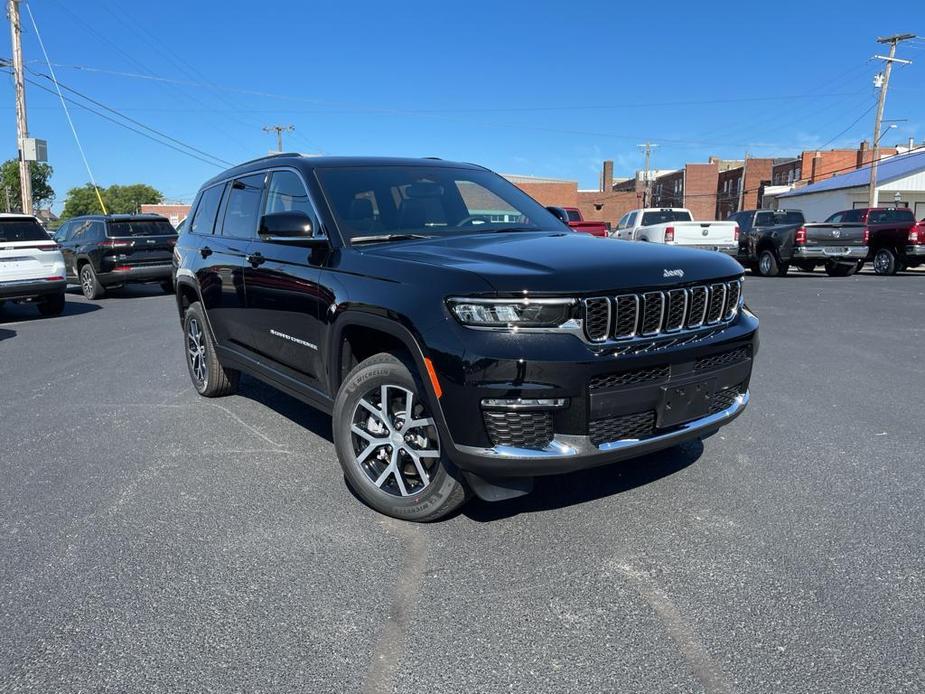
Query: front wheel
x=388, y=444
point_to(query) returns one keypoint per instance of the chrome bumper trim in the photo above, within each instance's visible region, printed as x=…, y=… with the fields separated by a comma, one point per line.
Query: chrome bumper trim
x=915, y=250
x=853, y=252
x=576, y=447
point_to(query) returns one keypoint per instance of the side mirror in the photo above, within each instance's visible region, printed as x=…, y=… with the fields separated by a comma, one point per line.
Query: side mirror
x=559, y=214
x=291, y=227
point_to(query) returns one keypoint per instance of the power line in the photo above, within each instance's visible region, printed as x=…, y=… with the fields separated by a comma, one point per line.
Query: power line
x=853, y=123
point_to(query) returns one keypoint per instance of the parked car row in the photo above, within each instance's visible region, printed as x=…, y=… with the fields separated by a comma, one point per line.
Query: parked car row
x=99, y=252
x=773, y=240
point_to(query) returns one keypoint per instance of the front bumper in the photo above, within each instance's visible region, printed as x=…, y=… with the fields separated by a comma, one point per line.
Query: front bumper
x=27, y=289
x=830, y=252
x=918, y=251
x=568, y=453
x=588, y=431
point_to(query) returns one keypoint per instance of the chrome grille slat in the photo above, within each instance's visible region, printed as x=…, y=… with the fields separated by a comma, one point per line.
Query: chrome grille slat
x=673, y=312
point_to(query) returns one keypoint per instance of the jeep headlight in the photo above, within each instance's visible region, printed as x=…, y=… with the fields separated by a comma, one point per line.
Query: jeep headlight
x=512, y=313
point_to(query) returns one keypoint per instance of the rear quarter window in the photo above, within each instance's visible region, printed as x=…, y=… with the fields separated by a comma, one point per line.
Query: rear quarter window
x=203, y=219
x=12, y=230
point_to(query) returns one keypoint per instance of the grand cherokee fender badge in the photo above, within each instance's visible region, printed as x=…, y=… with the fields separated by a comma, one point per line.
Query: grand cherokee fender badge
x=679, y=273
x=276, y=333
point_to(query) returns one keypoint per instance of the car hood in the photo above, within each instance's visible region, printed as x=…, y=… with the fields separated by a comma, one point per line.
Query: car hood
x=563, y=262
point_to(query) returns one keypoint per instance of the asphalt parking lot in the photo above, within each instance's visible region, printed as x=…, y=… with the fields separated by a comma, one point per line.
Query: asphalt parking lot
x=151, y=540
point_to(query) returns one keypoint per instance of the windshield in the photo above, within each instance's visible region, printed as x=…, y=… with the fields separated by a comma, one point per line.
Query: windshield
x=430, y=201
x=145, y=227
x=22, y=230
x=662, y=216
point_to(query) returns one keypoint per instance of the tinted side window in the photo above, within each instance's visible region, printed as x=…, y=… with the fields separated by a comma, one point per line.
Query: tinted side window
x=96, y=232
x=79, y=232
x=287, y=194
x=203, y=221
x=764, y=219
x=243, y=209
x=63, y=231
x=835, y=218
x=852, y=216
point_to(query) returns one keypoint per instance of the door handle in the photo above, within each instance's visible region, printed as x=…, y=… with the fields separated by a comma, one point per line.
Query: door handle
x=205, y=251
x=256, y=259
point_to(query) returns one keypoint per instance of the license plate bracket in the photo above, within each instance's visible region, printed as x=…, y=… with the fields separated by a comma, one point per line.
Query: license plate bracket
x=680, y=404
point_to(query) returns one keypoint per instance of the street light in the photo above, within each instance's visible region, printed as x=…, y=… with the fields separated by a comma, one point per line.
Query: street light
x=897, y=198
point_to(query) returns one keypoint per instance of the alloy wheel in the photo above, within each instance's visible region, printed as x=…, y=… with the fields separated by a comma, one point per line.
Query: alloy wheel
x=395, y=443
x=196, y=350
x=86, y=282
x=882, y=262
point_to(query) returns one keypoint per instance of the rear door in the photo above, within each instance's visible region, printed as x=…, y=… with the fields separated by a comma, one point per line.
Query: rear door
x=62, y=239
x=223, y=262
x=26, y=252
x=138, y=244
x=284, y=299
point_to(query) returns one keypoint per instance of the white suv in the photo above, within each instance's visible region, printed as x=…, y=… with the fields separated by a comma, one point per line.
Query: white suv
x=31, y=265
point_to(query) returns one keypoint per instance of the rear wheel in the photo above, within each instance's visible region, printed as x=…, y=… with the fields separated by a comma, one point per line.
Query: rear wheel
x=840, y=269
x=770, y=266
x=209, y=377
x=388, y=444
x=885, y=262
x=90, y=284
x=52, y=305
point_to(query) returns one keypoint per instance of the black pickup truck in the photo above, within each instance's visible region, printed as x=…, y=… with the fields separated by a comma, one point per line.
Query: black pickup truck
x=771, y=240
x=463, y=339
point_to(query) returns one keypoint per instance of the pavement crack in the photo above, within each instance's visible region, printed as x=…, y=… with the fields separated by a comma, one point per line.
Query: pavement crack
x=387, y=653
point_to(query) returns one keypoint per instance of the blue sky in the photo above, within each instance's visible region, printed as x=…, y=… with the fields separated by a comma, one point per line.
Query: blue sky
x=538, y=88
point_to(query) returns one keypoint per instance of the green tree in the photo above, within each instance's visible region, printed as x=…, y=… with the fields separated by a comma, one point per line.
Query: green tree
x=42, y=193
x=118, y=199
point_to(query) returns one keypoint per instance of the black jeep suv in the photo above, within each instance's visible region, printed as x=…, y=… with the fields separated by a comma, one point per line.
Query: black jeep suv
x=463, y=338
x=107, y=251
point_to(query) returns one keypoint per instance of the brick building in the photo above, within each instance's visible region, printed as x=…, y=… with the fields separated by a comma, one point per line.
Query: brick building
x=175, y=212
x=756, y=172
x=695, y=187
x=813, y=166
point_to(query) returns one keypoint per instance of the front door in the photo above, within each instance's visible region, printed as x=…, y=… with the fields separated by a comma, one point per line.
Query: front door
x=281, y=280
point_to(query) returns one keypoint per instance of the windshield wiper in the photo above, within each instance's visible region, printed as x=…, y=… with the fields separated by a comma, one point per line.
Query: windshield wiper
x=500, y=229
x=376, y=238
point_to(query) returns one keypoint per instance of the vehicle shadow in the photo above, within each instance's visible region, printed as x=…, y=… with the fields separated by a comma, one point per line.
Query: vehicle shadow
x=559, y=491
x=26, y=313
x=294, y=410
x=4, y=334
x=128, y=291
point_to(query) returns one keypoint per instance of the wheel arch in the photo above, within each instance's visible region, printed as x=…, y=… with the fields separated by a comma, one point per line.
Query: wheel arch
x=357, y=335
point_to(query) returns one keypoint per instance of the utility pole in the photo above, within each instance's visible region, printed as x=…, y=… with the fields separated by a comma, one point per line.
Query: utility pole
x=22, y=128
x=884, y=85
x=646, y=177
x=279, y=130
x=741, y=205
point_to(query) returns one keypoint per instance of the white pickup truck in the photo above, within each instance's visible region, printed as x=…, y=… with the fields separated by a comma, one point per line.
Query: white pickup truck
x=676, y=226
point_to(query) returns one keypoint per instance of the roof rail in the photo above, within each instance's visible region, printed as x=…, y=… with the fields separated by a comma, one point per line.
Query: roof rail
x=274, y=155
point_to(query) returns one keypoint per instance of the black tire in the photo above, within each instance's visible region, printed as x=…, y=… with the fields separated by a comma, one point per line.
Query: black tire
x=861, y=264
x=885, y=262
x=167, y=286
x=770, y=266
x=840, y=269
x=806, y=267
x=90, y=284
x=52, y=305
x=402, y=491
x=210, y=378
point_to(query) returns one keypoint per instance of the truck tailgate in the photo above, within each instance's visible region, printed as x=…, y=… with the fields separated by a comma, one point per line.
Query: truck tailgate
x=700, y=233
x=825, y=235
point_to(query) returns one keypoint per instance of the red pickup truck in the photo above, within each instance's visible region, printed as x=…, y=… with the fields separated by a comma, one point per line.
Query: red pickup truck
x=572, y=217
x=894, y=239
